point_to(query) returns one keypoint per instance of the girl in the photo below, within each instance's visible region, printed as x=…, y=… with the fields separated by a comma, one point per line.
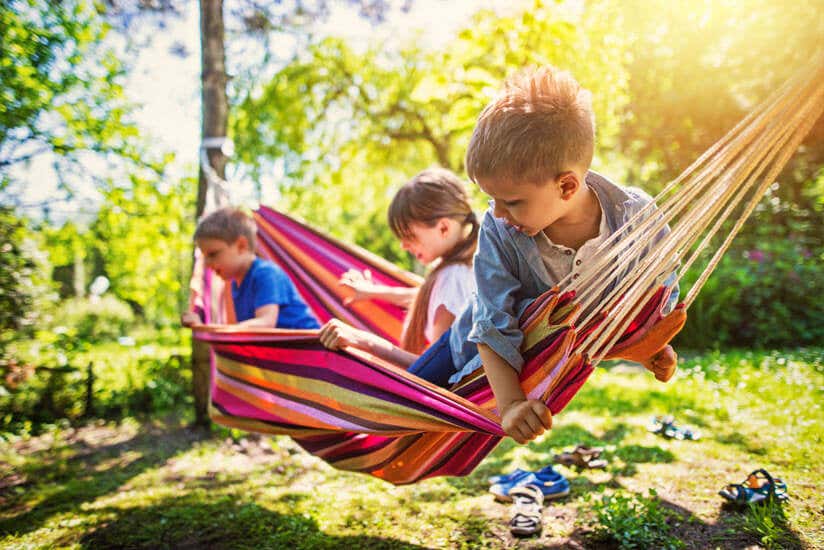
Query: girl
x=433, y=219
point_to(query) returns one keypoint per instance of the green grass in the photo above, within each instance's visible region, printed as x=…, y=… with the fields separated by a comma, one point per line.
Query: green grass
x=150, y=485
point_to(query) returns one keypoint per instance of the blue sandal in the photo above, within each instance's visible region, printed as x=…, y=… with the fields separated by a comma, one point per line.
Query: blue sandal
x=517, y=474
x=551, y=484
x=759, y=487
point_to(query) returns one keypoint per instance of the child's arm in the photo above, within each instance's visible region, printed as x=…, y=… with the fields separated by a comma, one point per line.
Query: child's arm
x=366, y=289
x=522, y=419
x=265, y=316
x=336, y=335
x=443, y=320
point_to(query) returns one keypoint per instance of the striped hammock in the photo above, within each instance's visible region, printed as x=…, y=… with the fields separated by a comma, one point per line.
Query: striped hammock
x=360, y=413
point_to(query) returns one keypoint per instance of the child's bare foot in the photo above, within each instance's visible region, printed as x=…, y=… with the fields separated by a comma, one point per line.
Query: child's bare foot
x=663, y=364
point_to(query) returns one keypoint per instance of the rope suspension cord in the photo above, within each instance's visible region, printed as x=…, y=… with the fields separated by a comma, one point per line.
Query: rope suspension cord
x=763, y=142
x=697, y=185
x=784, y=138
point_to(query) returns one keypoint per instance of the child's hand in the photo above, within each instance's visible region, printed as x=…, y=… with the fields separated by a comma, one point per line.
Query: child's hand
x=361, y=283
x=662, y=364
x=190, y=318
x=336, y=334
x=525, y=420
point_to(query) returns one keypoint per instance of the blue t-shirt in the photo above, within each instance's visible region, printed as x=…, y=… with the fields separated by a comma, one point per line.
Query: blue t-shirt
x=266, y=284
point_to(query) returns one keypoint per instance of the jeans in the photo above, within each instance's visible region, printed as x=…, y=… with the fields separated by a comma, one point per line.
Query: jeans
x=435, y=364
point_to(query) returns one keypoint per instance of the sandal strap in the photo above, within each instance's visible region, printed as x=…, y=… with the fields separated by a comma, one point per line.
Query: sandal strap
x=527, y=494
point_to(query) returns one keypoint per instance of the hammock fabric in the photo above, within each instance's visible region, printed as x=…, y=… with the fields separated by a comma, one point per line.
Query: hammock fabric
x=363, y=414
x=356, y=411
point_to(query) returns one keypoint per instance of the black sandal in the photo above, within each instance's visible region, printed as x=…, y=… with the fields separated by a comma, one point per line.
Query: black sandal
x=526, y=512
x=759, y=487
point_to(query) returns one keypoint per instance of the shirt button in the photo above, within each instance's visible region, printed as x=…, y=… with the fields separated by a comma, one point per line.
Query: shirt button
x=575, y=276
x=568, y=252
x=577, y=262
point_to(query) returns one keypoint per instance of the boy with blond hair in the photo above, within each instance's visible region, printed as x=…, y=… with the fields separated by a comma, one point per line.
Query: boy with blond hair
x=262, y=294
x=530, y=152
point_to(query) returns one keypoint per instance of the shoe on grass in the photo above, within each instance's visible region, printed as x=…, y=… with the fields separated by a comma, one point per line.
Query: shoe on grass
x=759, y=487
x=551, y=484
x=527, y=501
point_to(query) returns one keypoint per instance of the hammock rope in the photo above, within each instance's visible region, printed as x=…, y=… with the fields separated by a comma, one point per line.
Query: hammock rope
x=747, y=161
x=360, y=413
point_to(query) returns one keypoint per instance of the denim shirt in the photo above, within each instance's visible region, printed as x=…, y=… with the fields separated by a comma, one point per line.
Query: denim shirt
x=510, y=274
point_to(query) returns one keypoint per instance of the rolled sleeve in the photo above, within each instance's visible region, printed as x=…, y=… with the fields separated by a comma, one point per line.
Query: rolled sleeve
x=493, y=317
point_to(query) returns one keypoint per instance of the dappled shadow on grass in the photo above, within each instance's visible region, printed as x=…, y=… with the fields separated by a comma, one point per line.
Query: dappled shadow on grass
x=225, y=523
x=637, y=454
x=89, y=472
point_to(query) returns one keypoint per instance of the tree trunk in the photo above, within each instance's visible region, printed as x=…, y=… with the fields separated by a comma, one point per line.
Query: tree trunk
x=215, y=112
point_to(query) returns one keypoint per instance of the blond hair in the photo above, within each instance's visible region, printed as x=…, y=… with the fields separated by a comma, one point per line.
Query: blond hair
x=541, y=124
x=227, y=224
x=426, y=198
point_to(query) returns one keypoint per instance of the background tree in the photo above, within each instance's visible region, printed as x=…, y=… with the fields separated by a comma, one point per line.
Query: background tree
x=61, y=89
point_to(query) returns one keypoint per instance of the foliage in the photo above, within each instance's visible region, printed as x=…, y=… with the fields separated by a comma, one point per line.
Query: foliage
x=15, y=274
x=354, y=124
x=759, y=295
x=24, y=289
x=697, y=68
x=94, y=319
x=768, y=523
x=149, y=379
x=60, y=87
x=143, y=238
x=140, y=240
x=634, y=521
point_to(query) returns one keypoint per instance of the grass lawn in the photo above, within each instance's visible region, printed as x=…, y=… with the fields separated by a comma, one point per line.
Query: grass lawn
x=159, y=484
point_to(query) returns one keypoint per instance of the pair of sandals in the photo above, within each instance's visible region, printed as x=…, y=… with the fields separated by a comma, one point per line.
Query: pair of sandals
x=759, y=487
x=668, y=428
x=582, y=457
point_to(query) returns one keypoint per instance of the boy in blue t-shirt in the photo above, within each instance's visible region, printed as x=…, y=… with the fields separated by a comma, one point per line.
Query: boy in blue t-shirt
x=263, y=294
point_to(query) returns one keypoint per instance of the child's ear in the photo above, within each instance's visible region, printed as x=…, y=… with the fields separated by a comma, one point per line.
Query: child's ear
x=242, y=243
x=569, y=184
x=443, y=226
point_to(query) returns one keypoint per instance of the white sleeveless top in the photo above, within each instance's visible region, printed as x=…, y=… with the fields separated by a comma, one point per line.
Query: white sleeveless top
x=453, y=289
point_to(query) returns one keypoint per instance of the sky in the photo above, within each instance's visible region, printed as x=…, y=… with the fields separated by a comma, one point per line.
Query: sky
x=167, y=88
